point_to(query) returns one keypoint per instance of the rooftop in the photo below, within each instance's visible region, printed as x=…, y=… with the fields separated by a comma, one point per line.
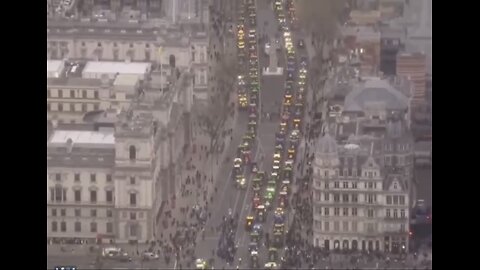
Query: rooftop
x=74, y=82
x=82, y=137
x=116, y=67
x=125, y=80
x=54, y=65
x=375, y=91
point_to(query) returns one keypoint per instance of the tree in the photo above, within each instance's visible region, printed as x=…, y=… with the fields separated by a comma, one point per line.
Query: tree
x=213, y=117
x=320, y=17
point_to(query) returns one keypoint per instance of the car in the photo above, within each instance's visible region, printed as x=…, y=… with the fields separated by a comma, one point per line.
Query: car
x=303, y=61
x=150, y=256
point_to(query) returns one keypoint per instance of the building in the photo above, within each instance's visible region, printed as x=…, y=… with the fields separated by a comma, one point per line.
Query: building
x=97, y=70
x=353, y=199
x=80, y=185
x=392, y=42
x=363, y=43
x=55, y=68
x=105, y=183
x=414, y=67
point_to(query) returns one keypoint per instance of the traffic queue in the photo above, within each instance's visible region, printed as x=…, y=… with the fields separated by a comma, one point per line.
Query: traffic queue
x=248, y=87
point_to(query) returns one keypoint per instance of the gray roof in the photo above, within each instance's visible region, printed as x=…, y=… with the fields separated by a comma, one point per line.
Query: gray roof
x=74, y=82
x=326, y=145
x=375, y=91
x=392, y=177
x=81, y=158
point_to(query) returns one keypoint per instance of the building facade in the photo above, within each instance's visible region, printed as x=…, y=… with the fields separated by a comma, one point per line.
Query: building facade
x=353, y=200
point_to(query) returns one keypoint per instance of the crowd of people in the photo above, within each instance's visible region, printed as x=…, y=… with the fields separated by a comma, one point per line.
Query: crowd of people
x=226, y=248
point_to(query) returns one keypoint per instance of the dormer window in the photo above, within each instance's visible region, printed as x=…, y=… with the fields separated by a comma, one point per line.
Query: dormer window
x=395, y=186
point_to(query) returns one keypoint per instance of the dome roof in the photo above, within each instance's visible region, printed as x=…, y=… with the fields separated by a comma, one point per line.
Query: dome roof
x=326, y=145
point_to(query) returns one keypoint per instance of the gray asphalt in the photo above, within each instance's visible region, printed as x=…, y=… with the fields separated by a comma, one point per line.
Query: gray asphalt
x=272, y=90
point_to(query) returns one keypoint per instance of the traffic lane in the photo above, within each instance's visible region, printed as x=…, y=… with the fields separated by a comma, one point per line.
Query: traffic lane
x=268, y=23
x=423, y=177
x=227, y=194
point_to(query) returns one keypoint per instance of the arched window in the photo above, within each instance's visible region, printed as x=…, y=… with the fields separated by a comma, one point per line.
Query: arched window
x=133, y=152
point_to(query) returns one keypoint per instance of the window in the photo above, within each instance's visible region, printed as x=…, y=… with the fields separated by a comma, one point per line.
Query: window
x=349, y=172
x=193, y=56
x=76, y=177
x=336, y=226
x=354, y=212
x=202, y=57
x=78, y=226
x=345, y=197
x=78, y=213
x=318, y=210
x=54, y=226
x=72, y=94
x=345, y=184
x=54, y=212
x=354, y=185
x=93, y=178
x=354, y=173
x=109, y=196
x=395, y=213
x=109, y=227
x=345, y=226
x=402, y=213
x=402, y=200
x=60, y=107
x=336, y=185
x=96, y=107
x=370, y=199
x=63, y=226
x=83, y=43
x=388, y=160
x=109, y=213
x=133, y=199
x=327, y=197
x=327, y=211
x=58, y=194
x=132, y=152
x=354, y=198
x=133, y=216
x=395, y=200
x=95, y=94
x=326, y=185
x=78, y=195
x=325, y=173
x=340, y=172
x=93, y=213
x=345, y=211
x=327, y=226
x=93, y=227
x=84, y=94
x=354, y=226
x=63, y=212
x=388, y=214
x=132, y=180
x=336, y=197
x=109, y=178
x=389, y=200
x=336, y=211
x=99, y=44
x=370, y=185
x=370, y=213
x=93, y=196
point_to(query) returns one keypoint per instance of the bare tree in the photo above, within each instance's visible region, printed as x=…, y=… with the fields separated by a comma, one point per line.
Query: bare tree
x=320, y=17
x=212, y=119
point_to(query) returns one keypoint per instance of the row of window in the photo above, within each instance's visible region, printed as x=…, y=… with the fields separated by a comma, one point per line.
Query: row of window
x=388, y=213
x=78, y=212
x=93, y=176
x=54, y=93
x=72, y=107
x=59, y=194
x=395, y=200
x=354, y=212
x=350, y=173
x=369, y=198
x=78, y=227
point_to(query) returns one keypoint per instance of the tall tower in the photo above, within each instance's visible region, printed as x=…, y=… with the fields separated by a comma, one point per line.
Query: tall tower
x=133, y=175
